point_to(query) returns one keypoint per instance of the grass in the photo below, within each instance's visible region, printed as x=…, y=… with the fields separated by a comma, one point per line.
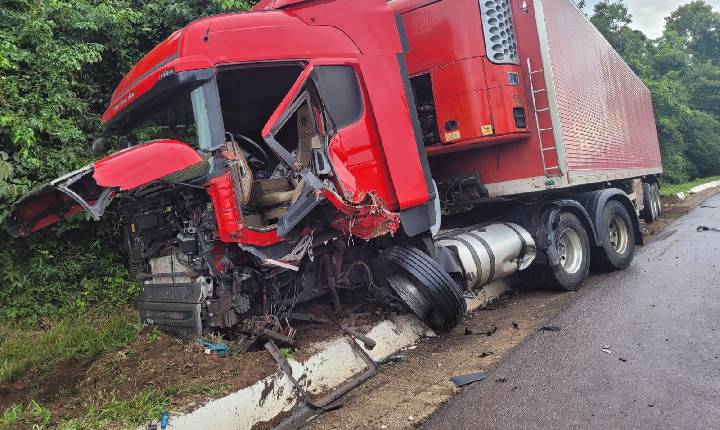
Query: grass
x=672, y=189
x=200, y=389
x=71, y=339
x=140, y=409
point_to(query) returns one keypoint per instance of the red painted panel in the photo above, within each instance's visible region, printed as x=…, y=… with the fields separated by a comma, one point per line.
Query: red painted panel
x=453, y=49
x=470, y=110
x=371, y=25
x=142, y=164
x=502, y=102
x=161, y=53
x=459, y=77
x=229, y=217
x=275, y=4
x=605, y=110
x=443, y=32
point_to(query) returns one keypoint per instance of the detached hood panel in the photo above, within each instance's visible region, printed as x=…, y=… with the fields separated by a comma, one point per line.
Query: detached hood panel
x=93, y=187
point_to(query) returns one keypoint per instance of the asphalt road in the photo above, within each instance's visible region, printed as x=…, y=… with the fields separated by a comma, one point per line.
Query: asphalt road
x=661, y=321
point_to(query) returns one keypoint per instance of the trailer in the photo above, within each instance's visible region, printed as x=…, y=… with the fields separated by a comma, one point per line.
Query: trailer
x=406, y=153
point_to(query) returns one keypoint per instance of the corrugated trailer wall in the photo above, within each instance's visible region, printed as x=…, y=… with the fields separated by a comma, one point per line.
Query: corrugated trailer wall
x=605, y=112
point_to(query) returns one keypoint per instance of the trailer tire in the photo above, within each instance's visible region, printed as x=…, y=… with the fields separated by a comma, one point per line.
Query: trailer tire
x=573, y=245
x=433, y=296
x=649, y=211
x=617, y=235
x=658, y=201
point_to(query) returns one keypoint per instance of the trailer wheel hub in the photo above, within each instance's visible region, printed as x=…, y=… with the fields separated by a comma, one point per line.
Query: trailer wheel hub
x=618, y=237
x=570, y=251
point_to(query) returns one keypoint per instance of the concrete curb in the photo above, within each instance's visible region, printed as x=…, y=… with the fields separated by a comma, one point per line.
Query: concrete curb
x=703, y=187
x=697, y=189
x=332, y=364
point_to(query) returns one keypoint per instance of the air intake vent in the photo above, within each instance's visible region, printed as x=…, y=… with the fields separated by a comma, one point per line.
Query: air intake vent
x=500, y=41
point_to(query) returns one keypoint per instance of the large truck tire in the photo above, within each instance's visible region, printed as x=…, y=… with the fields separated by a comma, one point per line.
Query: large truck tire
x=573, y=247
x=432, y=295
x=618, y=237
x=649, y=211
x=658, y=201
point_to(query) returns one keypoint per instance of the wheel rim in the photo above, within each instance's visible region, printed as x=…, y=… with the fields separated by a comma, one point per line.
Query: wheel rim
x=570, y=251
x=618, y=234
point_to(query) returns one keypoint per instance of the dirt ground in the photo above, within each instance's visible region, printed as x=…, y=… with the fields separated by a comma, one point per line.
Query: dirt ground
x=191, y=377
x=156, y=361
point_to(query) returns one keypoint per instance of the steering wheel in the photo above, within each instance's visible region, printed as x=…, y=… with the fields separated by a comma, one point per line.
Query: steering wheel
x=257, y=151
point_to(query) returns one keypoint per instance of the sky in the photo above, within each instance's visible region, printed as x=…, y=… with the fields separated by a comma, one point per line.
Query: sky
x=648, y=15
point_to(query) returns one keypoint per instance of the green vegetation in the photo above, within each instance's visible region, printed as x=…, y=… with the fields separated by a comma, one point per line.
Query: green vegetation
x=672, y=189
x=59, y=63
x=144, y=407
x=154, y=335
x=71, y=339
x=682, y=71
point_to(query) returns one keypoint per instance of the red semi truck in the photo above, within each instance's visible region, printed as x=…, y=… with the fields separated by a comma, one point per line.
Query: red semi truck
x=407, y=152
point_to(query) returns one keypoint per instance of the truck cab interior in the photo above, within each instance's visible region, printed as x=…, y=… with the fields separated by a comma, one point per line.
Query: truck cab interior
x=248, y=97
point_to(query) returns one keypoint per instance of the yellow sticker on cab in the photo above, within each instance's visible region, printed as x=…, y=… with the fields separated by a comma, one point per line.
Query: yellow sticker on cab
x=452, y=136
x=487, y=130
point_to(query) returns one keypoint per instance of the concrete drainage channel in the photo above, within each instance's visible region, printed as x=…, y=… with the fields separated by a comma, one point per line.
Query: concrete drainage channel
x=334, y=363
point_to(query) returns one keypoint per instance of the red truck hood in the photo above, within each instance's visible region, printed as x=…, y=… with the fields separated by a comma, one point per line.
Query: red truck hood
x=93, y=187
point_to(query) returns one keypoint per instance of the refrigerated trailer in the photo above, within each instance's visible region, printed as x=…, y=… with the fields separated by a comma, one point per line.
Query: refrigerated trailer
x=406, y=153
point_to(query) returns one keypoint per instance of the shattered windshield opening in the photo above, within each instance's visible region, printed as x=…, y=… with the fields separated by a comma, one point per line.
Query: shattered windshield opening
x=180, y=115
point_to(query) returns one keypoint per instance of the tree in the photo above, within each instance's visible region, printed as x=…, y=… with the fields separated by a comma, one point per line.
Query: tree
x=699, y=25
x=611, y=17
x=681, y=70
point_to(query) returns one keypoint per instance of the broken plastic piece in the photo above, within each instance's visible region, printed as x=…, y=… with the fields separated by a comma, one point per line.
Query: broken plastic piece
x=463, y=380
x=703, y=228
x=218, y=348
x=397, y=358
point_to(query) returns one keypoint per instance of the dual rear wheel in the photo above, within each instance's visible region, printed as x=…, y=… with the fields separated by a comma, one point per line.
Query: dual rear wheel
x=652, y=206
x=575, y=253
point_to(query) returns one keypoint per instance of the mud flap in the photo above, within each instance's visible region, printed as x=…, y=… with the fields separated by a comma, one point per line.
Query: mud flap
x=176, y=308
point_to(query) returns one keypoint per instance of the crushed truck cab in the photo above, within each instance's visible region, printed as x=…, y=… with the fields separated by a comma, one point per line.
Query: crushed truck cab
x=307, y=151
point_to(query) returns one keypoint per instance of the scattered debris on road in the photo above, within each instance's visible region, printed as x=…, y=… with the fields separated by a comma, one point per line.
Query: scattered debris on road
x=218, y=348
x=607, y=349
x=397, y=358
x=463, y=380
x=624, y=360
x=551, y=328
x=704, y=228
x=516, y=326
x=501, y=380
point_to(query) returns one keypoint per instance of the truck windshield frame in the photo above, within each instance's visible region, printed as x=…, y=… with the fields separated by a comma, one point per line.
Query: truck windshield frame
x=193, y=95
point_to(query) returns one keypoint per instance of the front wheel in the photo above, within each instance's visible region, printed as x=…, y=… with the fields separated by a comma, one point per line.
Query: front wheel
x=618, y=237
x=573, y=248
